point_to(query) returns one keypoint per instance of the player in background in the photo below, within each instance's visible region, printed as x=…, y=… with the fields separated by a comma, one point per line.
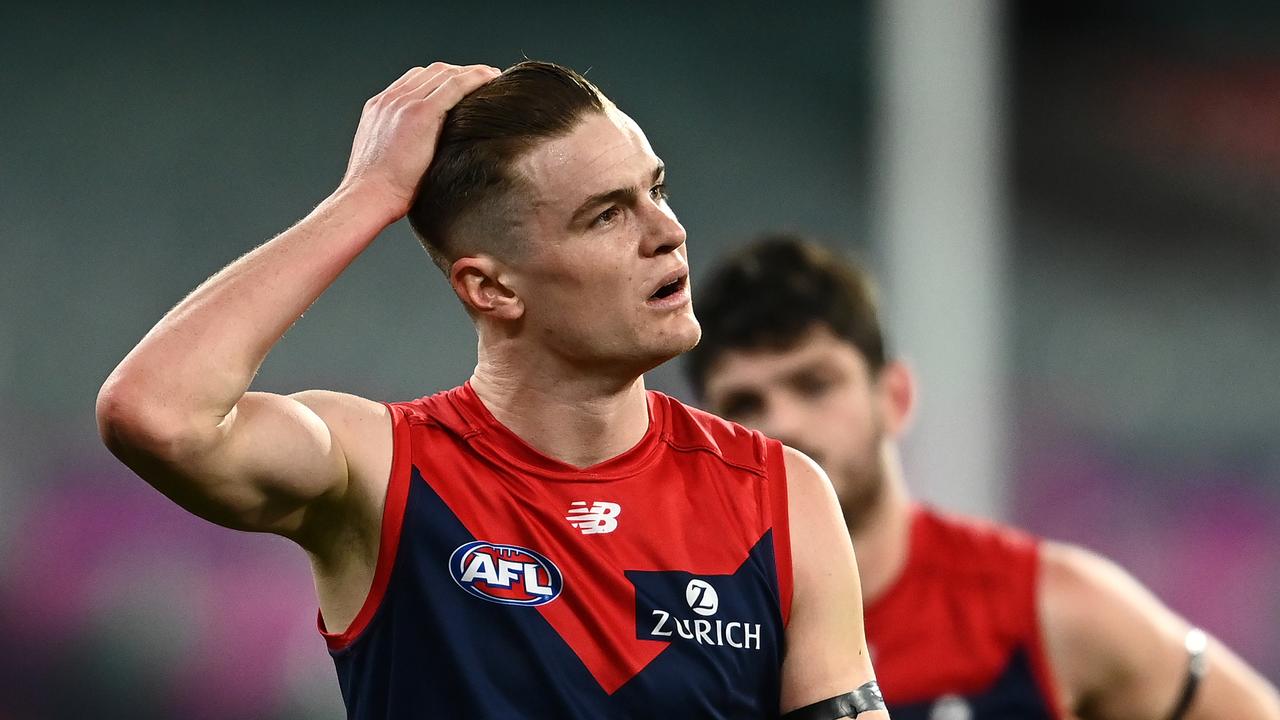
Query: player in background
x=548, y=540
x=965, y=619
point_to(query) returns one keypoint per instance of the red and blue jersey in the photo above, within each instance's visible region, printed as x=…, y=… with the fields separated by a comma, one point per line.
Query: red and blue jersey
x=656, y=584
x=957, y=634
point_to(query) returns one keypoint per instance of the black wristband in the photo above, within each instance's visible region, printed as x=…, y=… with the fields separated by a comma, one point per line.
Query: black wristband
x=849, y=705
x=1196, y=643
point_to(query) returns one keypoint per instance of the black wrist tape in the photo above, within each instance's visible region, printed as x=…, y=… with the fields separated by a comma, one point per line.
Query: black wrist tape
x=849, y=705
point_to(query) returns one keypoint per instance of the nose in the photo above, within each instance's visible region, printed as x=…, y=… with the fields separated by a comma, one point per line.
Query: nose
x=663, y=232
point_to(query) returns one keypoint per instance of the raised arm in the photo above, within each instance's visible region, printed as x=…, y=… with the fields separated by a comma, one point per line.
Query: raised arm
x=826, y=646
x=1118, y=652
x=176, y=409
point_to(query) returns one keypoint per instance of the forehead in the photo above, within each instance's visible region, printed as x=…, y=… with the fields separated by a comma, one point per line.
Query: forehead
x=605, y=151
x=759, y=368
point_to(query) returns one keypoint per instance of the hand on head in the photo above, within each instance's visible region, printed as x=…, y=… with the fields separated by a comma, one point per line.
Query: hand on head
x=399, y=127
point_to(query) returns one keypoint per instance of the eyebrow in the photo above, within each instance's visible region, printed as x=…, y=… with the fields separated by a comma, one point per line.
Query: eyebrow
x=620, y=196
x=813, y=367
x=786, y=377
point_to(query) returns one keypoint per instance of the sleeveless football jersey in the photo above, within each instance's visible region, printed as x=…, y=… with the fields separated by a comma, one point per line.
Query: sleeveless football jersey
x=957, y=636
x=656, y=584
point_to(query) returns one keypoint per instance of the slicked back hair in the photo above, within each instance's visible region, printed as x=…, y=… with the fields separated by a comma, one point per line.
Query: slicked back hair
x=770, y=294
x=483, y=137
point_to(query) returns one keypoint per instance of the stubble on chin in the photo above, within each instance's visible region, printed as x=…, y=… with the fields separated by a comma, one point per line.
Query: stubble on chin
x=862, y=490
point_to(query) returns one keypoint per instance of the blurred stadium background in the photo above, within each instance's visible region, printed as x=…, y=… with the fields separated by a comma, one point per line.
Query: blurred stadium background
x=1074, y=208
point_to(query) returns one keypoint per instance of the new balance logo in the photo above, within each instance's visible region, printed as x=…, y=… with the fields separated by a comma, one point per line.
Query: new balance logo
x=598, y=517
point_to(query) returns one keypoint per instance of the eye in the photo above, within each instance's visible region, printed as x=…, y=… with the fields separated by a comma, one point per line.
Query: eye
x=608, y=216
x=741, y=406
x=811, y=386
x=659, y=192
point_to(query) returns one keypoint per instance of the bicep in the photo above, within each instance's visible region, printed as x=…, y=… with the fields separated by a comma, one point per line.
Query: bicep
x=272, y=458
x=826, y=646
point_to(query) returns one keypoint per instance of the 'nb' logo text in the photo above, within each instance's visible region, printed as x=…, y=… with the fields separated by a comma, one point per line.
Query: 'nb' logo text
x=595, y=518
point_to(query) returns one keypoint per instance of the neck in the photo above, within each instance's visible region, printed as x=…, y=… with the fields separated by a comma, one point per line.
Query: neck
x=565, y=414
x=882, y=534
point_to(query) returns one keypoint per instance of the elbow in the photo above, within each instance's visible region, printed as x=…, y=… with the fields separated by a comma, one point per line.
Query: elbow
x=125, y=418
x=133, y=422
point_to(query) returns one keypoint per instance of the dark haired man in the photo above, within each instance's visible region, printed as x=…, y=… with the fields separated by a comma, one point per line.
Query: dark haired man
x=548, y=540
x=964, y=619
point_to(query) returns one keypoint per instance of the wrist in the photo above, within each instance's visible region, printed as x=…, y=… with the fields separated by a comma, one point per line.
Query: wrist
x=371, y=201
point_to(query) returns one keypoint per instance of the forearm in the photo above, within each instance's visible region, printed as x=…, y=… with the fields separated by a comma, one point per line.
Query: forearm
x=198, y=361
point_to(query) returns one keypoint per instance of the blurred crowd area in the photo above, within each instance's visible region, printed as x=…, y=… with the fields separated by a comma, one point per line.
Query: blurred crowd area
x=1146, y=188
x=144, y=148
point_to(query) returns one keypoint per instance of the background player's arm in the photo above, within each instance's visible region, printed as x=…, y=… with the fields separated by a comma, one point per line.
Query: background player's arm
x=177, y=410
x=826, y=646
x=1118, y=652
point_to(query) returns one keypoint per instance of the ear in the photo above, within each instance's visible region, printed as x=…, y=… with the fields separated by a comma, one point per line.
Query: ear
x=479, y=281
x=897, y=390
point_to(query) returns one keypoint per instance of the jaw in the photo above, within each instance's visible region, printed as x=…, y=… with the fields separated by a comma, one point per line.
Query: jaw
x=678, y=335
x=552, y=349
x=651, y=347
x=861, y=499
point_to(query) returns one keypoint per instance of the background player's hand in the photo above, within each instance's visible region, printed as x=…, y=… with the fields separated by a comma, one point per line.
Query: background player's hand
x=400, y=126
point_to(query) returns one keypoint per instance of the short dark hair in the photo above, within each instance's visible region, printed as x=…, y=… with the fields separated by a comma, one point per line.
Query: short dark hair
x=769, y=294
x=483, y=137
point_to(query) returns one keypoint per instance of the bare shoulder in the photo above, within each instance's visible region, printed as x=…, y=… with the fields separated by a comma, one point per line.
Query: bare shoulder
x=1116, y=650
x=823, y=566
x=807, y=485
x=1072, y=574
x=819, y=535
x=1119, y=652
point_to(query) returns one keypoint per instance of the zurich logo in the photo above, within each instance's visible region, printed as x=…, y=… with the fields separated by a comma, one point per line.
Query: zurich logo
x=506, y=574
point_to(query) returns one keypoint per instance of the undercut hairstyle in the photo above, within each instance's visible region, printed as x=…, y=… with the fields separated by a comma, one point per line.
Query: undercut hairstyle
x=472, y=173
x=770, y=294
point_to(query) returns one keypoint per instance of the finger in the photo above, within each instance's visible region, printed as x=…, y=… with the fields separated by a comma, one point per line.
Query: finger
x=459, y=85
x=424, y=84
x=414, y=76
x=428, y=85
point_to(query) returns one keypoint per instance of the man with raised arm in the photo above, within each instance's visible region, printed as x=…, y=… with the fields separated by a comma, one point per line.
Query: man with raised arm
x=549, y=540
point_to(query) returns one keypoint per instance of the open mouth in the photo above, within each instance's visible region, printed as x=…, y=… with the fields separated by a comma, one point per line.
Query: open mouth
x=670, y=288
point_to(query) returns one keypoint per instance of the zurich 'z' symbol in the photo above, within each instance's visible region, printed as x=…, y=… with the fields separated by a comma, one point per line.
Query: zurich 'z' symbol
x=702, y=598
x=506, y=574
x=598, y=517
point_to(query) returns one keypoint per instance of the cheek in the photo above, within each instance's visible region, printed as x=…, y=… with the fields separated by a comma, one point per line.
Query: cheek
x=577, y=285
x=589, y=306
x=848, y=421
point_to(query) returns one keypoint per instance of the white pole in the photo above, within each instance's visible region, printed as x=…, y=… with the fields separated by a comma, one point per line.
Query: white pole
x=940, y=210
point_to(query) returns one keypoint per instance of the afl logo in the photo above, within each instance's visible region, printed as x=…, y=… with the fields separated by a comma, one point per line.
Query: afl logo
x=506, y=574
